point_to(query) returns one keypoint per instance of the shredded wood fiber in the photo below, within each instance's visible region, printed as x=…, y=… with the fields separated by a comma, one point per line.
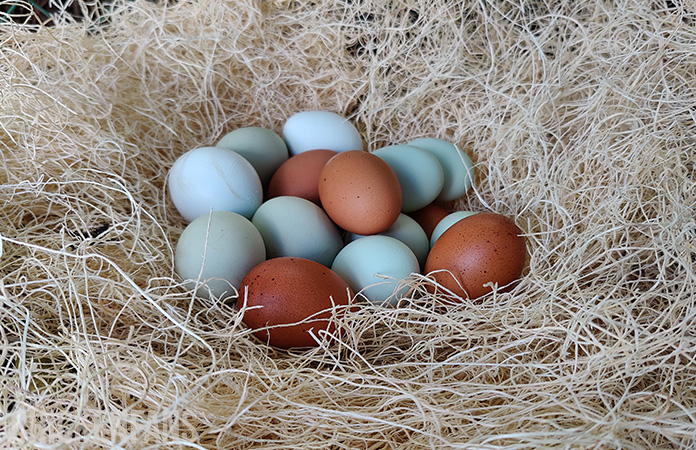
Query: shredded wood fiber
x=579, y=115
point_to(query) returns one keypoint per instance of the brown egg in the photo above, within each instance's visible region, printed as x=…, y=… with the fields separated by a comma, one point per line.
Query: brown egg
x=360, y=192
x=299, y=175
x=286, y=290
x=482, y=248
x=428, y=217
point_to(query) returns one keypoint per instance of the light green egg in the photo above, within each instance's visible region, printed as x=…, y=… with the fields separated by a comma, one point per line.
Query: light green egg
x=216, y=251
x=456, y=164
x=408, y=231
x=263, y=148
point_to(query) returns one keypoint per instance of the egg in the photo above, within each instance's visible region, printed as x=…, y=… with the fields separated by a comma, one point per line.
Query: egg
x=483, y=248
x=311, y=130
x=217, y=179
x=293, y=226
x=420, y=174
x=289, y=302
x=218, y=249
x=446, y=222
x=374, y=267
x=299, y=175
x=263, y=148
x=429, y=216
x=407, y=231
x=360, y=192
x=456, y=164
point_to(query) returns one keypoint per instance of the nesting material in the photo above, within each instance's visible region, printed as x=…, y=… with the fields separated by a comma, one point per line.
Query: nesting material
x=578, y=115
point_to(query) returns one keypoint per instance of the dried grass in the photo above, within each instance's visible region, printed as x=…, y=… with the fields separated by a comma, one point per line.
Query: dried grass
x=580, y=118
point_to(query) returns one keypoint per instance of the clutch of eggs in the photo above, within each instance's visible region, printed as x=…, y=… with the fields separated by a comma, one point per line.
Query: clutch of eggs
x=298, y=227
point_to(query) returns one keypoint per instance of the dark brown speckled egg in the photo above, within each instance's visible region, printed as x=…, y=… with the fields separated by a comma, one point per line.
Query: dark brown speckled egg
x=280, y=292
x=479, y=249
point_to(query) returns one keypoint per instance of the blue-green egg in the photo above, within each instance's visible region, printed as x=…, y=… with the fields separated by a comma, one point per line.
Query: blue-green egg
x=294, y=226
x=420, y=174
x=375, y=267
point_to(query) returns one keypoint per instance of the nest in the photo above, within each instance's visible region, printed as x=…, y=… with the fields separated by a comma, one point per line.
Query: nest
x=579, y=116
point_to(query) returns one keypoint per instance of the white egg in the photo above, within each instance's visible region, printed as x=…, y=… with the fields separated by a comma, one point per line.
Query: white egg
x=313, y=130
x=217, y=179
x=218, y=250
x=374, y=266
x=294, y=226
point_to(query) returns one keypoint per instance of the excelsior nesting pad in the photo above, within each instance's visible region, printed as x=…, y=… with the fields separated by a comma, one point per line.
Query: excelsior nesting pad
x=578, y=116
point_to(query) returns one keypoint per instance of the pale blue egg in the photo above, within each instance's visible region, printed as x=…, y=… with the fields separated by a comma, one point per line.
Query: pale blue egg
x=447, y=222
x=217, y=179
x=313, y=130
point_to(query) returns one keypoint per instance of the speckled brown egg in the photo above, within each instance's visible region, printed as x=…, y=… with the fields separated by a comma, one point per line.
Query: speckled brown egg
x=280, y=292
x=360, y=192
x=299, y=175
x=479, y=249
x=429, y=216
